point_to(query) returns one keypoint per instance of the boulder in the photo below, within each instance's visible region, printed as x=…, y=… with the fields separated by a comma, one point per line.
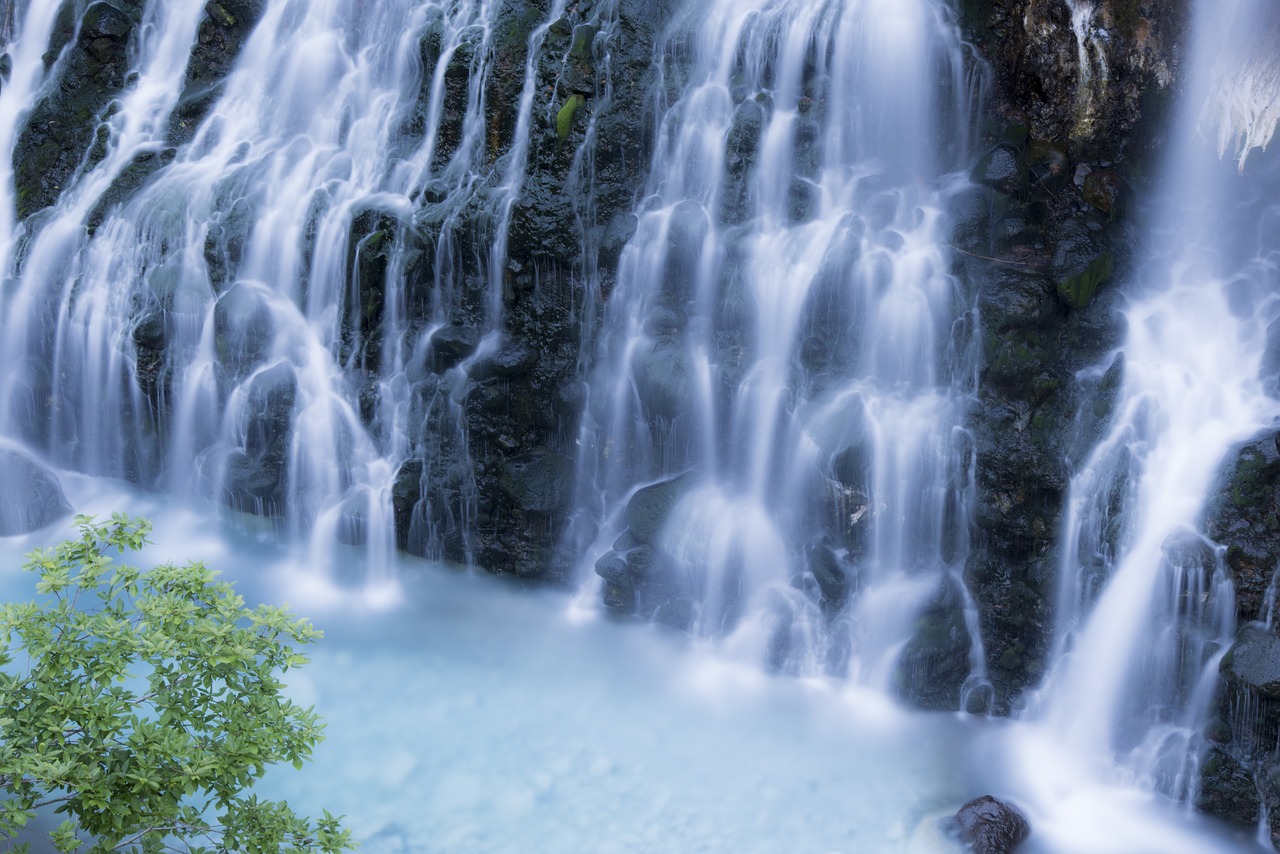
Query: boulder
x=1104, y=190
x=663, y=378
x=255, y=477
x=990, y=826
x=1244, y=515
x=1253, y=662
x=932, y=669
x=1002, y=169
x=32, y=496
x=540, y=482
x=513, y=360
x=649, y=507
x=1227, y=790
x=450, y=345
x=242, y=326
x=833, y=577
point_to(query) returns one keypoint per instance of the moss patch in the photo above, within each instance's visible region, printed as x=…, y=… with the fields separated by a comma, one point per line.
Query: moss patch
x=564, y=118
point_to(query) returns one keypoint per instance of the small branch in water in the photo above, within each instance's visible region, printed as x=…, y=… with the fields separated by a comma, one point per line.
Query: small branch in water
x=988, y=257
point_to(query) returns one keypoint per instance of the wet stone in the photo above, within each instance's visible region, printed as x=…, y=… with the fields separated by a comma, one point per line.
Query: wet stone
x=990, y=826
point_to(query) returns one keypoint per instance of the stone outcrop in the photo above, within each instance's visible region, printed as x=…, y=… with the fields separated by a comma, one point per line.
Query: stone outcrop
x=59, y=135
x=1239, y=776
x=990, y=826
x=1097, y=77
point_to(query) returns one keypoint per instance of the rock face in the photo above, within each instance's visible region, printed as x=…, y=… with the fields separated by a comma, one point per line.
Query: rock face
x=1039, y=258
x=1099, y=81
x=60, y=130
x=990, y=826
x=1239, y=776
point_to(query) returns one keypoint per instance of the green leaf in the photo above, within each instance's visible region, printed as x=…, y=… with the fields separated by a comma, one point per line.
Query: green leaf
x=137, y=760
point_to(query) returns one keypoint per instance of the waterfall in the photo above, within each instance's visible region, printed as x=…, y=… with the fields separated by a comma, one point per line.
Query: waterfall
x=285, y=285
x=407, y=276
x=1146, y=607
x=237, y=292
x=785, y=363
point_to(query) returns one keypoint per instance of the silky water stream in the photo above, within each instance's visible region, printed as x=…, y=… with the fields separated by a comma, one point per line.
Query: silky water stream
x=785, y=341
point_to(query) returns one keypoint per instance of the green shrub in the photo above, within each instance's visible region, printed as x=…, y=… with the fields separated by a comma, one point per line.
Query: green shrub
x=143, y=706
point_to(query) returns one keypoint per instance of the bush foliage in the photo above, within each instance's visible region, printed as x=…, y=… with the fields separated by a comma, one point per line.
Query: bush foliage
x=141, y=707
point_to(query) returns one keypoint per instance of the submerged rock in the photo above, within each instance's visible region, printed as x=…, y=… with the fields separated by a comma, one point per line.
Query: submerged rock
x=648, y=509
x=32, y=497
x=255, y=478
x=990, y=826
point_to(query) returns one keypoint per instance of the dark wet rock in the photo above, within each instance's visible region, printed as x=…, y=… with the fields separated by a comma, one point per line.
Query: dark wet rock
x=1099, y=402
x=990, y=826
x=1244, y=515
x=663, y=378
x=1111, y=100
x=932, y=669
x=834, y=578
x=255, y=478
x=1081, y=263
x=452, y=344
x=1015, y=298
x=1032, y=419
x=650, y=506
x=1104, y=190
x=242, y=326
x=613, y=568
x=1253, y=662
x=1240, y=777
x=1049, y=165
x=643, y=582
x=1227, y=790
x=540, y=483
x=513, y=360
x=1002, y=169
x=406, y=493
x=1075, y=290
x=32, y=496
x=571, y=398
x=971, y=213
x=223, y=31
x=60, y=132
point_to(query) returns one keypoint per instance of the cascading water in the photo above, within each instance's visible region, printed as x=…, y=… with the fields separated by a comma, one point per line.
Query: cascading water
x=251, y=322
x=284, y=286
x=785, y=331
x=1146, y=607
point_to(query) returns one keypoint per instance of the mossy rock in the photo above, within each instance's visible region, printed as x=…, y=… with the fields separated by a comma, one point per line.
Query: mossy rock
x=1076, y=291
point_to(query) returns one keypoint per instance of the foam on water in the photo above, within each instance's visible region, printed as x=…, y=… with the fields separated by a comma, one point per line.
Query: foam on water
x=468, y=715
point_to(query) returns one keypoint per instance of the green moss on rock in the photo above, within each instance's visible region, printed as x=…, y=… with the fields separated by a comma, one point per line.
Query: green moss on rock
x=1076, y=291
x=564, y=118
